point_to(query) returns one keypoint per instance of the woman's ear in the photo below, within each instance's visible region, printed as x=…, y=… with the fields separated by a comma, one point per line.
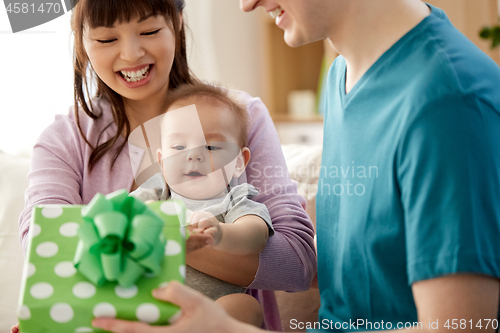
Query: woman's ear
x=241, y=162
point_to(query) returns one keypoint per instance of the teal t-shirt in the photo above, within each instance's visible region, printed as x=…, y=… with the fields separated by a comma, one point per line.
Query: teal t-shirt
x=410, y=179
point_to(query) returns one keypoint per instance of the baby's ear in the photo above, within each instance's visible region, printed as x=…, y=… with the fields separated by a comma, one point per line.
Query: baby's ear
x=241, y=162
x=158, y=157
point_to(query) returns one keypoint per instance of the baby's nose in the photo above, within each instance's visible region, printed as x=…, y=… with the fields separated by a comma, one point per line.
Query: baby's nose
x=196, y=154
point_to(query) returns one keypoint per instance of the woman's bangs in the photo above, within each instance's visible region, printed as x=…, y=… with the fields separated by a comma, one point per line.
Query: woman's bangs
x=104, y=13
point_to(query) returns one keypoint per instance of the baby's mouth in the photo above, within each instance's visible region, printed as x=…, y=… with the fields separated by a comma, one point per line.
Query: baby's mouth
x=194, y=174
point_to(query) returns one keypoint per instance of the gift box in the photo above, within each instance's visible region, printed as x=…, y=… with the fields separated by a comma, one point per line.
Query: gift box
x=57, y=297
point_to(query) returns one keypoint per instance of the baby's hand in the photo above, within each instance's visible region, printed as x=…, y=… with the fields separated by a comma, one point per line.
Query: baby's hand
x=207, y=224
x=196, y=242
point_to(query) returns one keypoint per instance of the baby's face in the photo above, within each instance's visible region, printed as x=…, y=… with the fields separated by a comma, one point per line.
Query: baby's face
x=199, y=143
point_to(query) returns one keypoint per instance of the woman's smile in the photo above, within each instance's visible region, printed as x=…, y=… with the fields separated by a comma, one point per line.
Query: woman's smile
x=136, y=78
x=132, y=55
x=133, y=75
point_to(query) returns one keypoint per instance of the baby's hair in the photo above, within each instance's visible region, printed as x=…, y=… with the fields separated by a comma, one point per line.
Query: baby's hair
x=214, y=94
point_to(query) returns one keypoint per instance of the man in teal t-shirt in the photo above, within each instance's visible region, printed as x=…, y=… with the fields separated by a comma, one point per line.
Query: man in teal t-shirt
x=408, y=204
x=409, y=188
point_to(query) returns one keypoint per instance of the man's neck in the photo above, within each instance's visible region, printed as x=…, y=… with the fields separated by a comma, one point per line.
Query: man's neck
x=370, y=29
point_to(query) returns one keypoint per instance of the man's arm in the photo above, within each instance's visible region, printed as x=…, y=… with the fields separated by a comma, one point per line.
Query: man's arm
x=469, y=300
x=459, y=302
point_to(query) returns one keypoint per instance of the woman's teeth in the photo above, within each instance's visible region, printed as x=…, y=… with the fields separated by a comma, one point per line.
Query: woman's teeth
x=136, y=76
x=276, y=13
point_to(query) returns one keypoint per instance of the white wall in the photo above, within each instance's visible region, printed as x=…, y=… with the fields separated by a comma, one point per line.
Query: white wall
x=224, y=45
x=36, y=80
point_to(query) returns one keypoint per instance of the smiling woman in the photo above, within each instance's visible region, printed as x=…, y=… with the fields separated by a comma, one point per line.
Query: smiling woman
x=136, y=39
x=134, y=52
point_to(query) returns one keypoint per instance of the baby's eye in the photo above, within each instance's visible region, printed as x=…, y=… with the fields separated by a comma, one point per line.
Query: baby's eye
x=179, y=147
x=212, y=148
x=149, y=33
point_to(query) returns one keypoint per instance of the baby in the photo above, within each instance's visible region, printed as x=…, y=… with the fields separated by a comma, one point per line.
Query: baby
x=203, y=138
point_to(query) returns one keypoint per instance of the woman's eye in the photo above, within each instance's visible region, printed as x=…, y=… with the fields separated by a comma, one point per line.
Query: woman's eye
x=150, y=32
x=179, y=147
x=106, y=41
x=212, y=148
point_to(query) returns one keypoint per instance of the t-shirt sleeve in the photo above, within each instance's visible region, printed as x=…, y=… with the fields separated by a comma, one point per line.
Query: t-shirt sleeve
x=449, y=176
x=242, y=204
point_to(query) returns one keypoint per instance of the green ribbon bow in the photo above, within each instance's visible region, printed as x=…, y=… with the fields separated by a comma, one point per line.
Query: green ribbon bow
x=120, y=240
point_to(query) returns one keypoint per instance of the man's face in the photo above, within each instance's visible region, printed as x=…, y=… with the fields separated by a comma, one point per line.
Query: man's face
x=303, y=21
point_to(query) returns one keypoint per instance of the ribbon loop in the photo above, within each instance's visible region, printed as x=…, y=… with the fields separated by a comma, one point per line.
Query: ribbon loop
x=120, y=240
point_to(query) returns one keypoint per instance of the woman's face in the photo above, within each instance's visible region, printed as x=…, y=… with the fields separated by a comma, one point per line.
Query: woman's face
x=133, y=58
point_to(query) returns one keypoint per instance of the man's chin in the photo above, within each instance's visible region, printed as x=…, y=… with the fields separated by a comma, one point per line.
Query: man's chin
x=294, y=41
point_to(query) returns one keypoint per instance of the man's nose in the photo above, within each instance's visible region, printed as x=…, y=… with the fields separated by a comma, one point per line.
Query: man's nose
x=132, y=50
x=248, y=5
x=196, y=154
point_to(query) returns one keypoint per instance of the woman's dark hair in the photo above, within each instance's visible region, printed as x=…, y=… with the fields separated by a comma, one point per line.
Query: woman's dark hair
x=104, y=13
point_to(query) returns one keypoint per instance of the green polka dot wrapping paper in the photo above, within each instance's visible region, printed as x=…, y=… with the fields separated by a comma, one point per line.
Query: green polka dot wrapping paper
x=55, y=297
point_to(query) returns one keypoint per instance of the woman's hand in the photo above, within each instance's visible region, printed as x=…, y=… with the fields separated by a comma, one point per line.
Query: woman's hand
x=199, y=314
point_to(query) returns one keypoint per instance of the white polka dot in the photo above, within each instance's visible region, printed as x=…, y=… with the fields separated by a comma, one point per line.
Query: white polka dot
x=31, y=269
x=182, y=271
x=104, y=310
x=84, y=290
x=162, y=285
x=175, y=317
x=126, y=292
x=83, y=330
x=183, y=231
x=51, y=212
x=35, y=229
x=170, y=208
x=69, y=229
x=147, y=312
x=47, y=249
x=61, y=312
x=172, y=248
x=65, y=269
x=41, y=290
x=24, y=313
x=149, y=275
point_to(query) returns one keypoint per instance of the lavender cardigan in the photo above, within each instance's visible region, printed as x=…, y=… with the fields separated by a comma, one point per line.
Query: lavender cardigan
x=59, y=175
